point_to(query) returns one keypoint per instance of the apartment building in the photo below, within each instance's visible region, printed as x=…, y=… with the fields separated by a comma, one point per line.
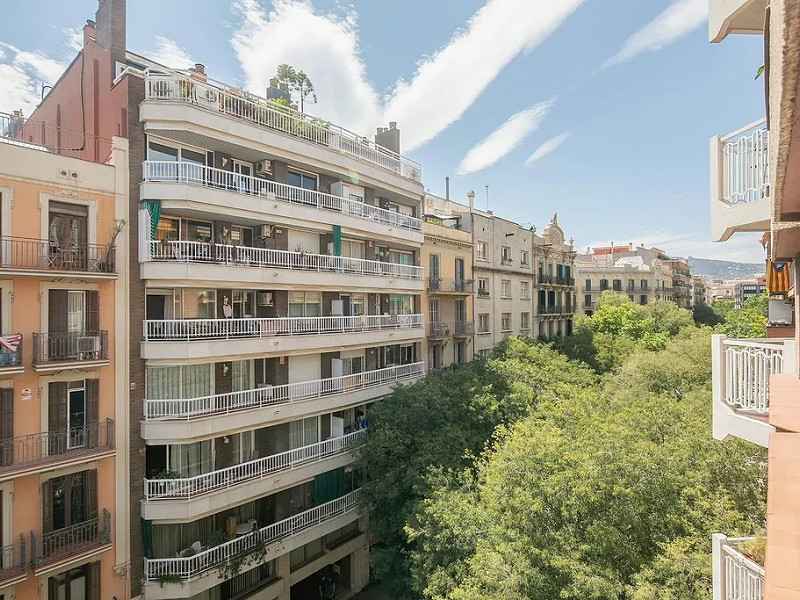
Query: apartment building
x=524, y=282
x=699, y=290
x=756, y=383
x=681, y=281
x=448, y=297
x=744, y=290
x=275, y=294
x=63, y=363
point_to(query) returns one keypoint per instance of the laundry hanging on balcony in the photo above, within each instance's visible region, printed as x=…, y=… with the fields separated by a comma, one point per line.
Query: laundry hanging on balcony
x=778, y=276
x=10, y=342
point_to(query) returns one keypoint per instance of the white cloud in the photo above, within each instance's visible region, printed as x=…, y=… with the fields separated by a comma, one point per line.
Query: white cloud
x=548, y=147
x=23, y=73
x=505, y=138
x=443, y=87
x=170, y=54
x=74, y=38
x=742, y=247
x=680, y=18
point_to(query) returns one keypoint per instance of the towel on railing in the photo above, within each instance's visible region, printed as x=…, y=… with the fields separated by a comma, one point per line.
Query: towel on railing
x=778, y=276
x=10, y=342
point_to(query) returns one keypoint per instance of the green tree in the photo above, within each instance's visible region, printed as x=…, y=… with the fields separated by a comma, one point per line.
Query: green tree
x=703, y=314
x=297, y=84
x=750, y=321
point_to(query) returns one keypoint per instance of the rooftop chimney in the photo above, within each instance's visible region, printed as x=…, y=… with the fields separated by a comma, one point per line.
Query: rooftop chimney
x=471, y=196
x=198, y=72
x=389, y=138
x=110, y=19
x=447, y=188
x=89, y=31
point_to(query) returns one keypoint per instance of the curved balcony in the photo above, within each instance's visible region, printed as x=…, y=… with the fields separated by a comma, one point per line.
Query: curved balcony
x=267, y=191
x=279, y=538
x=223, y=262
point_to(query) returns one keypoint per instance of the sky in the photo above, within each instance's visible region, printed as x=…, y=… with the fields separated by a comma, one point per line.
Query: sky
x=599, y=110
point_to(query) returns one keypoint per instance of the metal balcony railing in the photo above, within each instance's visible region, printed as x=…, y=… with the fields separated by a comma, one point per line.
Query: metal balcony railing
x=464, y=328
x=244, y=256
x=748, y=365
x=45, y=137
x=738, y=576
x=451, y=286
x=745, y=164
x=69, y=347
x=11, y=358
x=187, y=409
x=71, y=541
x=219, y=179
x=187, y=568
x=13, y=560
x=54, y=446
x=210, y=96
x=43, y=255
x=222, y=479
x=203, y=329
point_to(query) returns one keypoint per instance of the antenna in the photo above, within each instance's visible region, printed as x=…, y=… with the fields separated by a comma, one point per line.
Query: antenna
x=487, y=197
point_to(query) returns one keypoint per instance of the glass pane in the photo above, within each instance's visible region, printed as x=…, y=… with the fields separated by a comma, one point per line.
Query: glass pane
x=240, y=375
x=75, y=312
x=191, y=156
x=196, y=380
x=199, y=304
x=163, y=383
x=294, y=179
x=161, y=152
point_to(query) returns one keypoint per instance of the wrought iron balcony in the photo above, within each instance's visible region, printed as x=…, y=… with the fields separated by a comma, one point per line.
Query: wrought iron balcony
x=22, y=254
x=449, y=286
x=13, y=561
x=71, y=541
x=70, y=347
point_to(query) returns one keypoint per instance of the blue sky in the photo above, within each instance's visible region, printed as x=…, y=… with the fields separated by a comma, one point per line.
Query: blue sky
x=615, y=99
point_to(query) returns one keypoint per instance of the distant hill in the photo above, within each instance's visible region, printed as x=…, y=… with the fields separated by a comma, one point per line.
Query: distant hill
x=724, y=269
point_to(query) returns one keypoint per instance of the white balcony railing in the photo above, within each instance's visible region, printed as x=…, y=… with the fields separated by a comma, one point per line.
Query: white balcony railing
x=215, y=97
x=194, y=174
x=186, y=488
x=736, y=576
x=745, y=164
x=211, y=558
x=187, y=409
x=206, y=329
x=748, y=366
x=245, y=256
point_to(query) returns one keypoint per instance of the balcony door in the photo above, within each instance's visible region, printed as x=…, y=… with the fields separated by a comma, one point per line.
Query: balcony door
x=6, y=430
x=434, y=272
x=67, y=501
x=68, y=233
x=459, y=275
x=73, y=324
x=72, y=415
x=80, y=583
x=461, y=311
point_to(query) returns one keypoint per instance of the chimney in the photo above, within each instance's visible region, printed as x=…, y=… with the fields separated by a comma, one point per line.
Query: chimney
x=198, y=72
x=110, y=19
x=447, y=188
x=89, y=31
x=471, y=196
x=389, y=138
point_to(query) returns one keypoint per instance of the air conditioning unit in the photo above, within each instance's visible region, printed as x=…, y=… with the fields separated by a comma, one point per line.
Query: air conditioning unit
x=265, y=231
x=264, y=168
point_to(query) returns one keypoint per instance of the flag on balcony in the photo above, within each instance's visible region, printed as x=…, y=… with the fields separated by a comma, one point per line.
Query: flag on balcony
x=778, y=276
x=11, y=342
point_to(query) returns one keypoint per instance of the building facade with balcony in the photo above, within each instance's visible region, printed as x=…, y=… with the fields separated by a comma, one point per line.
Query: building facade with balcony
x=755, y=382
x=449, y=291
x=275, y=294
x=63, y=357
x=523, y=282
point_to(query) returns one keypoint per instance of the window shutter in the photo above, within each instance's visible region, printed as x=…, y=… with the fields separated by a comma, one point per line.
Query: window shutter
x=6, y=426
x=57, y=309
x=93, y=437
x=94, y=581
x=57, y=417
x=93, y=312
x=91, y=495
x=47, y=506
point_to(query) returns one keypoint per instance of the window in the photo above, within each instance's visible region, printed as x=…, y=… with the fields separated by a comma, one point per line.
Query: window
x=524, y=320
x=630, y=297
x=69, y=500
x=643, y=299
x=482, y=251
x=541, y=270
x=505, y=254
x=483, y=323
x=191, y=459
x=505, y=322
x=524, y=290
x=305, y=304
x=617, y=285
x=483, y=287
x=401, y=305
x=631, y=285
x=603, y=284
x=587, y=300
x=505, y=288
x=302, y=180
x=644, y=284
x=484, y=353
x=523, y=258
x=588, y=285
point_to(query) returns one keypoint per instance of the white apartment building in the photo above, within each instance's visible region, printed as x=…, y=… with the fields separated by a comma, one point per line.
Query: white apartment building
x=524, y=282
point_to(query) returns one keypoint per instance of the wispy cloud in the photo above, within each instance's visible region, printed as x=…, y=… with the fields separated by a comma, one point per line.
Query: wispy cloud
x=74, y=38
x=548, y=147
x=505, y=138
x=679, y=18
x=443, y=87
x=23, y=73
x=743, y=247
x=170, y=54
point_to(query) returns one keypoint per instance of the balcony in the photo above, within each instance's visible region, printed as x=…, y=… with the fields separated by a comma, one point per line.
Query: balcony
x=13, y=563
x=451, y=328
x=39, y=451
x=21, y=256
x=735, y=16
x=463, y=328
x=49, y=550
x=557, y=309
x=741, y=371
x=566, y=281
x=57, y=351
x=175, y=418
x=276, y=539
x=224, y=259
x=438, y=285
x=252, y=110
x=740, y=186
x=266, y=192
x=11, y=354
x=735, y=576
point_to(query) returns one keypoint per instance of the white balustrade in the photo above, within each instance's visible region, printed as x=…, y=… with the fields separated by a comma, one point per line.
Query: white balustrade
x=186, y=488
x=748, y=366
x=212, y=96
x=191, y=566
x=245, y=256
x=745, y=164
x=743, y=579
x=195, y=408
x=205, y=329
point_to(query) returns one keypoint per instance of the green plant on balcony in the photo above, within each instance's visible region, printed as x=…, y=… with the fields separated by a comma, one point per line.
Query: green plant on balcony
x=755, y=549
x=483, y=292
x=252, y=555
x=166, y=578
x=167, y=474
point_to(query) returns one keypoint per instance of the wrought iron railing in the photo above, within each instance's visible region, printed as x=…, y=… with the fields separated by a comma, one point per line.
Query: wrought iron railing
x=453, y=286
x=11, y=358
x=69, y=347
x=71, y=541
x=46, y=137
x=13, y=559
x=44, y=255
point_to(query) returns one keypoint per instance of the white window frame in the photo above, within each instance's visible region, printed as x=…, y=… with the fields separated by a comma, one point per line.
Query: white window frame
x=525, y=320
x=524, y=290
x=505, y=322
x=505, y=288
x=488, y=329
x=523, y=258
x=482, y=251
x=505, y=254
